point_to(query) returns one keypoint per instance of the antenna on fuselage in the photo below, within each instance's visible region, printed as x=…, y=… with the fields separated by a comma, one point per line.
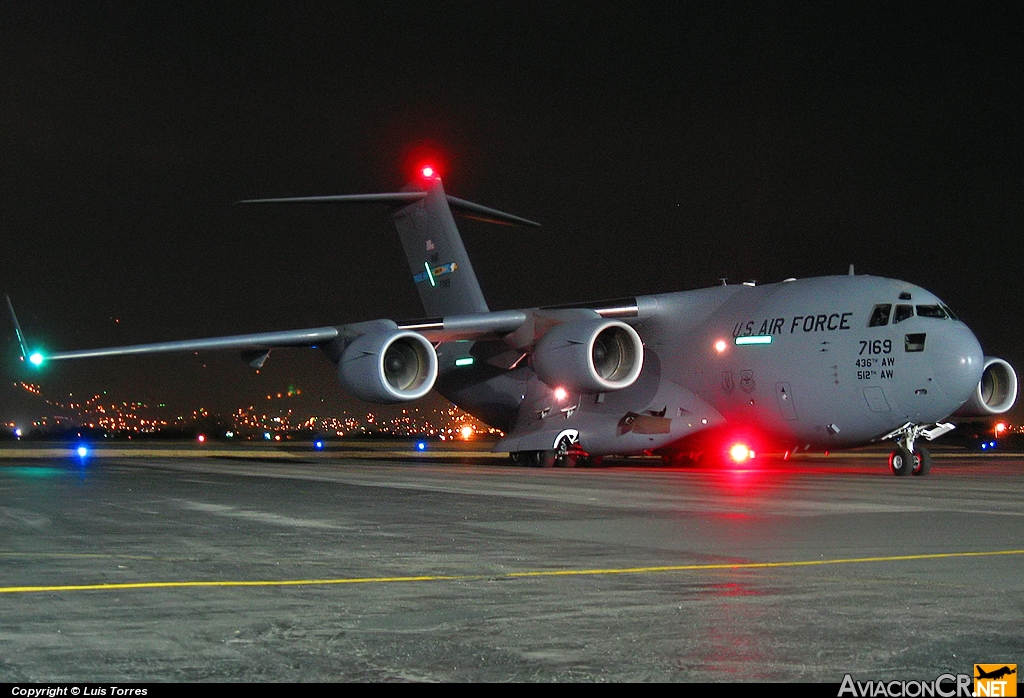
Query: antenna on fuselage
x=851, y=270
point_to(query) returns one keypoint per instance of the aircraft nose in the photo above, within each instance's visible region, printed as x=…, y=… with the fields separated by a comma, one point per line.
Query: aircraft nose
x=957, y=361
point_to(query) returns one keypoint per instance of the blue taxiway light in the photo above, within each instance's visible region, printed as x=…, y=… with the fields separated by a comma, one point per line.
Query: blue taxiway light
x=421, y=445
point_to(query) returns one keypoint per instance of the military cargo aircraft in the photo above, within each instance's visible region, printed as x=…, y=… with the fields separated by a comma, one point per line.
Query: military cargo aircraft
x=723, y=372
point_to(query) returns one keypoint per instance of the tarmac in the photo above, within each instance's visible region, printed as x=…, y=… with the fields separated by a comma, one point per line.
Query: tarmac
x=372, y=562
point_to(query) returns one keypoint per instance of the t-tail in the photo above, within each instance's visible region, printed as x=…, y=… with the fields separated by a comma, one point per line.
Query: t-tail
x=438, y=261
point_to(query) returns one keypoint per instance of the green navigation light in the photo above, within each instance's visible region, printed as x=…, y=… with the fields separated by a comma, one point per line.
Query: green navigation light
x=36, y=359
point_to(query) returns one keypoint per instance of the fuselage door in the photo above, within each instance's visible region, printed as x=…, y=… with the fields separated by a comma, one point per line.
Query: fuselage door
x=784, y=396
x=875, y=397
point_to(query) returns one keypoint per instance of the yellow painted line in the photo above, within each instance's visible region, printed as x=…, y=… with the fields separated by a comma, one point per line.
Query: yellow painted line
x=507, y=575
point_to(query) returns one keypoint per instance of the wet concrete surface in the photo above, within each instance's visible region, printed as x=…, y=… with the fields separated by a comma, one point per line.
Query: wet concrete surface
x=378, y=565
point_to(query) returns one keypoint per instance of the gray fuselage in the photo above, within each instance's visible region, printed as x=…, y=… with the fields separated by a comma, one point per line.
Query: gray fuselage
x=824, y=371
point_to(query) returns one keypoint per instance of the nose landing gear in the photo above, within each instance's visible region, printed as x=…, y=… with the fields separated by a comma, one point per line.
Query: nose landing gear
x=903, y=461
x=908, y=458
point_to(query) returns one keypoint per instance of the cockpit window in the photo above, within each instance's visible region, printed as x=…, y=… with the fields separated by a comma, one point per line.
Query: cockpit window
x=950, y=313
x=934, y=311
x=902, y=313
x=880, y=315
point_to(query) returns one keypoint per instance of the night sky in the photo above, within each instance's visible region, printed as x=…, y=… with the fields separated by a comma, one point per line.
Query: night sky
x=663, y=146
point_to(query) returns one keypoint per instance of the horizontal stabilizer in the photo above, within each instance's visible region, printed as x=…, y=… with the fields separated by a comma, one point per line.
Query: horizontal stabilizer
x=398, y=197
x=467, y=208
x=488, y=215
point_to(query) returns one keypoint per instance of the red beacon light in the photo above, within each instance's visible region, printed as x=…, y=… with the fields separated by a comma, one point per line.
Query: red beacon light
x=428, y=172
x=740, y=453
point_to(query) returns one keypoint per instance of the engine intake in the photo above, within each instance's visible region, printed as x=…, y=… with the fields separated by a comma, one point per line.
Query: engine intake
x=589, y=357
x=388, y=367
x=996, y=391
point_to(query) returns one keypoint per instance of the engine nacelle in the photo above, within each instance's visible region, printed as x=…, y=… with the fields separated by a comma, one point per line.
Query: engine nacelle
x=592, y=356
x=388, y=366
x=996, y=391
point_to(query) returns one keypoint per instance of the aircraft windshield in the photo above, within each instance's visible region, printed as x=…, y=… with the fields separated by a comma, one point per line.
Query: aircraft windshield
x=934, y=311
x=902, y=313
x=880, y=315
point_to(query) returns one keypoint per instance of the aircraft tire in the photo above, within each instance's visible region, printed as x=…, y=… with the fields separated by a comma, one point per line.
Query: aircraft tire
x=520, y=458
x=922, y=461
x=901, y=461
x=564, y=456
x=544, y=459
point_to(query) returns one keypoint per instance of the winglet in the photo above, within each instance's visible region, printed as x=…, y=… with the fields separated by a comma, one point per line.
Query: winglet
x=17, y=330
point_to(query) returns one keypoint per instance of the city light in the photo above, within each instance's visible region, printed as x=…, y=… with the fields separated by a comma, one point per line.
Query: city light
x=275, y=420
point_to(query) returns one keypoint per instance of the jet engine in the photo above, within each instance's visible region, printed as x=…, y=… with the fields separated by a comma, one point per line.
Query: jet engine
x=996, y=391
x=388, y=366
x=590, y=356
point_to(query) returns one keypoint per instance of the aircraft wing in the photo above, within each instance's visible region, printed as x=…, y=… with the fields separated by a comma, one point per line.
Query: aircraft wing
x=261, y=340
x=470, y=326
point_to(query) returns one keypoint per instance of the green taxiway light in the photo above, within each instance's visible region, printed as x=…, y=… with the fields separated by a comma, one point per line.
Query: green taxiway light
x=466, y=361
x=754, y=339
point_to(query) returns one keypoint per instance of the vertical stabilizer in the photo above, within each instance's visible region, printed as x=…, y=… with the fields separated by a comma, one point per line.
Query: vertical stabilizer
x=437, y=258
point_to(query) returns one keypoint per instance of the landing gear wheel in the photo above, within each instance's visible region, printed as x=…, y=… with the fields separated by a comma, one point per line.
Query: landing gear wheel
x=922, y=461
x=544, y=459
x=520, y=458
x=901, y=461
x=565, y=457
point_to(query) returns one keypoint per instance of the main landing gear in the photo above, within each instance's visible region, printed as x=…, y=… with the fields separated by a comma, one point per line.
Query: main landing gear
x=911, y=459
x=566, y=454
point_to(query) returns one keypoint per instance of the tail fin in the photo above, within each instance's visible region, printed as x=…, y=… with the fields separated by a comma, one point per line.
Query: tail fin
x=437, y=258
